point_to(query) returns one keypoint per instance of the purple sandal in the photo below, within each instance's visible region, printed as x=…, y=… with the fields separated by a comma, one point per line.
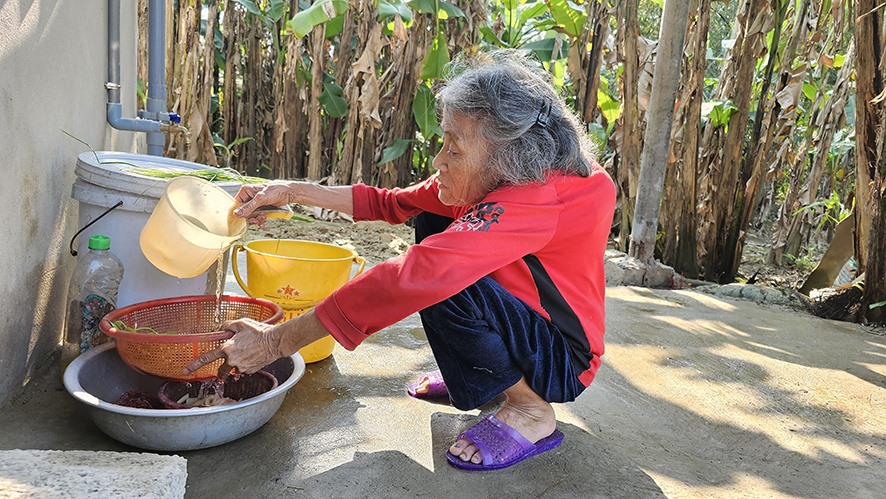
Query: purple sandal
x=436, y=387
x=500, y=445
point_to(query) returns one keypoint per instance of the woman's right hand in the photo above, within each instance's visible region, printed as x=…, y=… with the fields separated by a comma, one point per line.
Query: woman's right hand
x=253, y=346
x=256, y=344
x=282, y=192
x=253, y=197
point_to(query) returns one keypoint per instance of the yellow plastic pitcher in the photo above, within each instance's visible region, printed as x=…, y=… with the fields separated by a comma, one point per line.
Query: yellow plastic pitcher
x=190, y=227
x=296, y=275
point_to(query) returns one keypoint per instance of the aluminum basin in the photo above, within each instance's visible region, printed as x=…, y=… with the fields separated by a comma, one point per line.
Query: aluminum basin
x=99, y=377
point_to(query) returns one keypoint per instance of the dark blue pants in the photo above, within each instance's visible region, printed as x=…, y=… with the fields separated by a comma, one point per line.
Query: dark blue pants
x=484, y=340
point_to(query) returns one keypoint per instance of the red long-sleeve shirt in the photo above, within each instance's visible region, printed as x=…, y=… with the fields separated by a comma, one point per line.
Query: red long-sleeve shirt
x=543, y=243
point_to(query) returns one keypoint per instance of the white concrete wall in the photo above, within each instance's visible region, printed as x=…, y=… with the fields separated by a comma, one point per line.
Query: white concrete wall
x=53, y=66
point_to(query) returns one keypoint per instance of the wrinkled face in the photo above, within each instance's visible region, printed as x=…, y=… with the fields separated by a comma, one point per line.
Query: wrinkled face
x=461, y=162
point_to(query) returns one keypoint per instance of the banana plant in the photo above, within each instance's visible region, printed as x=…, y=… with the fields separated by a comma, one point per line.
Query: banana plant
x=330, y=13
x=432, y=67
x=269, y=12
x=323, y=11
x=533, y=26
x=520, y=22
x=438, y=54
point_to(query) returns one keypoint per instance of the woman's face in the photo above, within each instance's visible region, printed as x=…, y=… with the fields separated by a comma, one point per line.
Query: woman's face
x=461, y=162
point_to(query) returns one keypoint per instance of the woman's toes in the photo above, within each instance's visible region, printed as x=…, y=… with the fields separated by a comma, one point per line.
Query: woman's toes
x=476, y=458
x=466, y=451
x=458, y=447
x=424, y=385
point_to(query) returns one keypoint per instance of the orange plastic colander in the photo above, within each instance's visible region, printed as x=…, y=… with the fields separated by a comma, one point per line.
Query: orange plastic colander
x=174, y=331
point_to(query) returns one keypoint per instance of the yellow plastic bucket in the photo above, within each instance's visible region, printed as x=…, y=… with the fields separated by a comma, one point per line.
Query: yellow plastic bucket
x=296, y=275
x=190, y=227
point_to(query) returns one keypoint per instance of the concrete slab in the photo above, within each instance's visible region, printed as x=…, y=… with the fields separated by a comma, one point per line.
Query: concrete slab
x=48, y=474
x=698, y=396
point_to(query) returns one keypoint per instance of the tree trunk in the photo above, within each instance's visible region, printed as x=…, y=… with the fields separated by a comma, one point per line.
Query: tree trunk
x=832, y=113
x=280, y=124
x=764, y=126
x=653, y=159
x=142, y=51
x=362, y=91
x=183, y=88
x=230, y=99
x=252, y=85
x=869, y=84
x=680, y=233
x=776, y=121
x=400, y=81
x=722, y=148
x=294, y=116
x=585, y=64
x=315, y=133
x=201, y=148
x=628, y=124
x=870, y=246
x=824, y=119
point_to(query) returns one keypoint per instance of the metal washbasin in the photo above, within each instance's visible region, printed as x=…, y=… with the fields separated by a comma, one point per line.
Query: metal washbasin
x=99, y=376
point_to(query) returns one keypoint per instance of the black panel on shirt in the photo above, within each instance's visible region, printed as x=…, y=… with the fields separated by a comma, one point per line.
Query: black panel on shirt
x=561, y=314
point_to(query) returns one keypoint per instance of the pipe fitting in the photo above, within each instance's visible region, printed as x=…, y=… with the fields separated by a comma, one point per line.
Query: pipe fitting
x=116, y=120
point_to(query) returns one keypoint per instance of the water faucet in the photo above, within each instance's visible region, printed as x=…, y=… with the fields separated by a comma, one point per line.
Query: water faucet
x=176, y=128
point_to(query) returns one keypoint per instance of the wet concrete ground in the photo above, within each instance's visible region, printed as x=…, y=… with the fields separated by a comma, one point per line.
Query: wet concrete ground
x=698, y=396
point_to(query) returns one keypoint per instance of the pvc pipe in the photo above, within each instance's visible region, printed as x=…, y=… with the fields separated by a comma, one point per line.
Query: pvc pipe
x=113, y=84
x=156, y=71
x=114, y=107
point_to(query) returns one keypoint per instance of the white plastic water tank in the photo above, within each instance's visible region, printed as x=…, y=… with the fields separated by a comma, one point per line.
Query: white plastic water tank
x=103, y=179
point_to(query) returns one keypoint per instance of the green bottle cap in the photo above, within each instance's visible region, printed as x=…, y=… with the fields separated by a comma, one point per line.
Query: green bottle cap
x=99, y=242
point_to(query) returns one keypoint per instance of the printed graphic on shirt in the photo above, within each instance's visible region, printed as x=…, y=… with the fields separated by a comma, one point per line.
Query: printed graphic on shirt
x=479, y=218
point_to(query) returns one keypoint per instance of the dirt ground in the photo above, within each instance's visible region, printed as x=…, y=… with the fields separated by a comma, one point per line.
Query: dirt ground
x=374, y=241
x=754, y=267
x=379, y=241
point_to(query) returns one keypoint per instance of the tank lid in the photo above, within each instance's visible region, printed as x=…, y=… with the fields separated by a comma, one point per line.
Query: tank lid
x=112, y=170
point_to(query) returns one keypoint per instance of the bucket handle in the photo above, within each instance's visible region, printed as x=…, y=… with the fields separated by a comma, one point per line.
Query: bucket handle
x=360, y=261
x=236, y=249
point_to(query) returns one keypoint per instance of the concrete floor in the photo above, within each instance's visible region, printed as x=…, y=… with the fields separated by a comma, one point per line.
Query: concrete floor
x=698, y=396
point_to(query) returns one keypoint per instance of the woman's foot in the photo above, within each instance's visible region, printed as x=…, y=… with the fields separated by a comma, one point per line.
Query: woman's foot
x=429, y=386
x=423, y=385
x=532, y=416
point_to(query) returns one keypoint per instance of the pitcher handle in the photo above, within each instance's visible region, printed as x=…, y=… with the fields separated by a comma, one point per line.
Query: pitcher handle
x=360, y=261
x=236, y=249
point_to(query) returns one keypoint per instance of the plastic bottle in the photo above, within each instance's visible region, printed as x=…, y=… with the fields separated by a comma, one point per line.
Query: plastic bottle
x=91, y=295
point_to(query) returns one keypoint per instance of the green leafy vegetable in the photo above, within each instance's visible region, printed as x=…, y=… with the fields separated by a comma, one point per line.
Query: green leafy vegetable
x=210, y=174
x=120, y=325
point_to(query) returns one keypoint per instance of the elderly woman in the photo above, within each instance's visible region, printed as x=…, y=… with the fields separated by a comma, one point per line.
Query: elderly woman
x=506, y=272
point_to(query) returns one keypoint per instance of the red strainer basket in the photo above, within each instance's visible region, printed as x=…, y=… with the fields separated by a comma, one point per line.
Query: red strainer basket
x=187, y=329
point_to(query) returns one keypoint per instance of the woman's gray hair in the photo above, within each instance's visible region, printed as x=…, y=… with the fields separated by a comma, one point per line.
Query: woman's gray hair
x=528, y=128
